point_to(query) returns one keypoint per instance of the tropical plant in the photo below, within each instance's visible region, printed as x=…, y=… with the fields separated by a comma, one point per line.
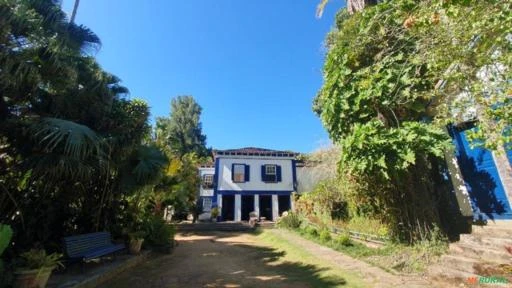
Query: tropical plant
x=5, y=240
x=159, y=233
x=38, y=258
x=70, y=143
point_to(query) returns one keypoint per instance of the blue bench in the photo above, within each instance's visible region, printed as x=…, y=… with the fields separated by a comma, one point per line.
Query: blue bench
x=86, y=247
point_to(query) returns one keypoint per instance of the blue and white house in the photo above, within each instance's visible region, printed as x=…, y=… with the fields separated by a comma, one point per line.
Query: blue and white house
x=249, y=179
x=206, y=172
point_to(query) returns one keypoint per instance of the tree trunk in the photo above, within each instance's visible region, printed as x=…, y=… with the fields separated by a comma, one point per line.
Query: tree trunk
x=73, y=14
x=354, y=6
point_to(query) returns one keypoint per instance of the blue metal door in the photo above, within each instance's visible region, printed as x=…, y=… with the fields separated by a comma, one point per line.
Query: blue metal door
x=488, y=197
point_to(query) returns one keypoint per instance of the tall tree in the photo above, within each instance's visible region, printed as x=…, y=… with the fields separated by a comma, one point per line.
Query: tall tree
x=182, y=131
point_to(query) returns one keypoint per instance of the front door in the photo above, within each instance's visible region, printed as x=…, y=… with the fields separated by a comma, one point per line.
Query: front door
x=486, y=192
x=266, y=206
x=228, y=207
x=247, y=206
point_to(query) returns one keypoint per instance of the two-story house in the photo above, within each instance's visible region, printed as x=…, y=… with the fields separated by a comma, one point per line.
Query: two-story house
x=249, y=179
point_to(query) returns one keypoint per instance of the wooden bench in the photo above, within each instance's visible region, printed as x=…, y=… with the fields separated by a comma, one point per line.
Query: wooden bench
x=86, y=247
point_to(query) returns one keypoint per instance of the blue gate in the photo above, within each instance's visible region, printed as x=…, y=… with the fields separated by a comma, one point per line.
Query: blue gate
x=486, y=192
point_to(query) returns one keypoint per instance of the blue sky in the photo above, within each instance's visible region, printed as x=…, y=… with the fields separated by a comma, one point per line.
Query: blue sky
x=254, y=66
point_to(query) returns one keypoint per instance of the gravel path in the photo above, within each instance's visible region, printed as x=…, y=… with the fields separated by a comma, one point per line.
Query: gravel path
x=216, y=259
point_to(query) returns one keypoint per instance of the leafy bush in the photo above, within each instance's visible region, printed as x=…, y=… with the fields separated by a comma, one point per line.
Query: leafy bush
x=37, y=259
x=325, y=235
x=311, y=231
x=158, y=232
x=344, y=240
x=5, y=239
x=290, y=221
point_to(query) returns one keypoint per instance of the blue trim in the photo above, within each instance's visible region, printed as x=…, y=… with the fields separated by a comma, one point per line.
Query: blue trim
x=216, y=183
x=253, y=192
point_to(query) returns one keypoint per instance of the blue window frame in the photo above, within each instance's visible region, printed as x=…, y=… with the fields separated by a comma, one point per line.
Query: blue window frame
x=240, y=173
x=271, y=173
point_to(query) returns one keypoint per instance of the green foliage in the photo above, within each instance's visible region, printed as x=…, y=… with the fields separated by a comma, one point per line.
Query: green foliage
x=325, y=235
x=391, y=150
x=37, y=259
x=70, y=142
x=395, y=75
x=291, y=221
x=344, y=240
x=311, y=231
x=5, y=237
x=182, y=131
x=215, y=212
x=158, y=232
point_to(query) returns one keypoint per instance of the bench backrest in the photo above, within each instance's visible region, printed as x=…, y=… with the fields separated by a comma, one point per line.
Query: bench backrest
x=74, y=246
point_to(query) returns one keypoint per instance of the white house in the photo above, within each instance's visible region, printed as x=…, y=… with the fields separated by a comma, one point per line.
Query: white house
x=206, y=173
x=249, y=179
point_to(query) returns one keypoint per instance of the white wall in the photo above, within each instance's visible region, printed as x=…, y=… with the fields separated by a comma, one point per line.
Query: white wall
x=255, y=183
x=203, y=171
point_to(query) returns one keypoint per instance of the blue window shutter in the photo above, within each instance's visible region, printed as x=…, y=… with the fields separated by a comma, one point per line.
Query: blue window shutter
x=278, y=172
x=232, y=172
x=263, y=174
x=247, y=171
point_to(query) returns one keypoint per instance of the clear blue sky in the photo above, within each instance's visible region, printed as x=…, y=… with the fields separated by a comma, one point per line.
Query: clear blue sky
x=254, y=66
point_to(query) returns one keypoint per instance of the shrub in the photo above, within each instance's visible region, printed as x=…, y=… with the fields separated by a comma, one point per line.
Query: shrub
x=344, y=240
x=290, y=221
x=325, y=235
x=311, y=231
x=37, y=259
x=158, y=232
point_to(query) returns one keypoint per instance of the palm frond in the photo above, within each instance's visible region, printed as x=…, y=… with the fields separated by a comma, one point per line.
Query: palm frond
x=73, y=139
x=150, y=162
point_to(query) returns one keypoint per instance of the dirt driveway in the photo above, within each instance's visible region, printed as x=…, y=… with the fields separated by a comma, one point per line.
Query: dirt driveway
x=229, y=260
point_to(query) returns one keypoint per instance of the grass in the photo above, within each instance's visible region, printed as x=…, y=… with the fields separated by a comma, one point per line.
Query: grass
x=391, y=257
x=294, y=253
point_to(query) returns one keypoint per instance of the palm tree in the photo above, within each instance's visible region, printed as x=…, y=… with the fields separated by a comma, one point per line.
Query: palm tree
x=75, y=9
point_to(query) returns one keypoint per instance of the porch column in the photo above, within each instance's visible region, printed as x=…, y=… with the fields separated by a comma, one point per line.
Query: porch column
x=219, y=204
x=275, y=207
x=257, y=205
x=238, y=207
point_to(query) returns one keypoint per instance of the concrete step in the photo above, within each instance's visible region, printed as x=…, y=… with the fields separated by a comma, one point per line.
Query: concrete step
x=480, y=253
x=448, y=275
x=460, y=263
x=229, y=226
x=485, y=241
x=500, y=230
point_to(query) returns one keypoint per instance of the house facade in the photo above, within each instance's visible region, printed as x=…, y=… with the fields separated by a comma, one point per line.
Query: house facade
x=249, y=180
x=206, y=172
x=486, y=175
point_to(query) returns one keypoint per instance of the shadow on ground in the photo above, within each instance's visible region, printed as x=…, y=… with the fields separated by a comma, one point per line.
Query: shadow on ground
x=216, y=259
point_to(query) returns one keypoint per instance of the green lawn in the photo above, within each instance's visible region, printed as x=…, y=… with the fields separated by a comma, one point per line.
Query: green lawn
x=325, y=275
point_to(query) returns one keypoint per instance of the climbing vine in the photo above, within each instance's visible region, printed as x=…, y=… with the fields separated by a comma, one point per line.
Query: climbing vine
x=395, y=75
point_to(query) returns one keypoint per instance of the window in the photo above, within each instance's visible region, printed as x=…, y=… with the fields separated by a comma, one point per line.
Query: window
x=207, y=204
x=271, y=173
x=208, y=181
x=238, y=173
